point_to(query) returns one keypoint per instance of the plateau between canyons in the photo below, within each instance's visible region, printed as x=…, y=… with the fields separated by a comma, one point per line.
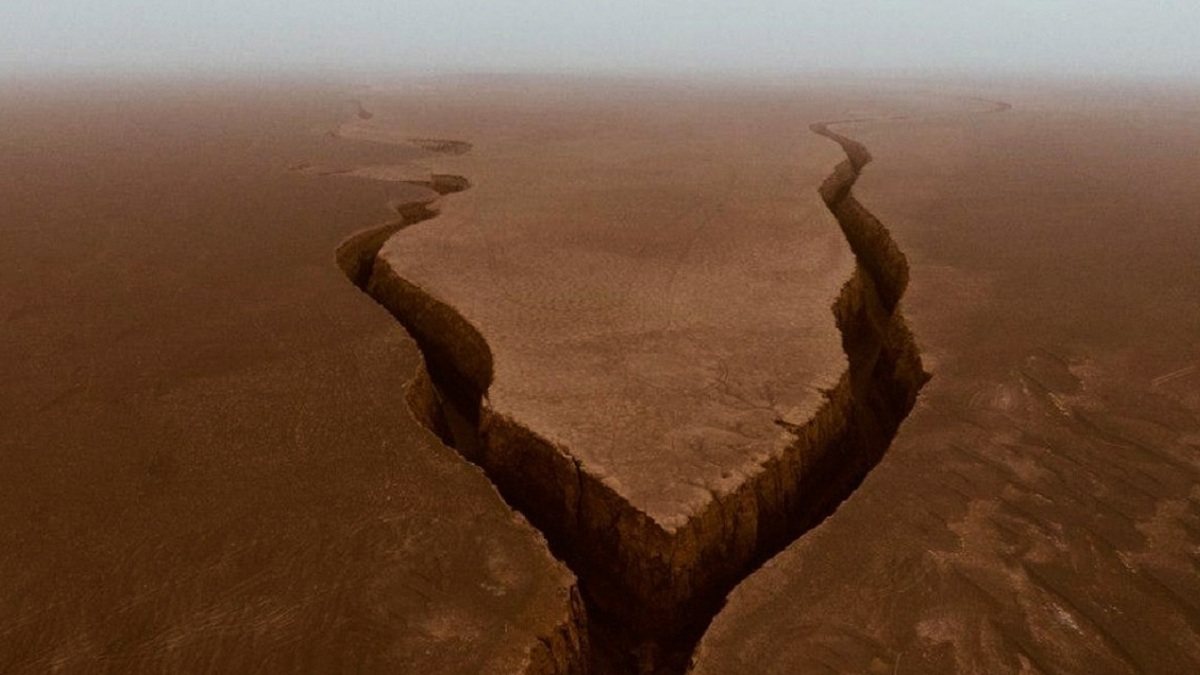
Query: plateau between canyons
x=654, y=560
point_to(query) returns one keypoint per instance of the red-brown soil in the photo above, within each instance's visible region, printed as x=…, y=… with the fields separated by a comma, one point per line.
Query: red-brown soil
x=1039, y=510
x=217, y=454
x=641, y=309
x=206, y=458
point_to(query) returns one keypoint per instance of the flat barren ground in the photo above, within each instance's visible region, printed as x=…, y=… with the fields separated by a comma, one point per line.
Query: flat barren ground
x=1039, y=511
x=653, y=278
x=206, y=459
x=614, y=346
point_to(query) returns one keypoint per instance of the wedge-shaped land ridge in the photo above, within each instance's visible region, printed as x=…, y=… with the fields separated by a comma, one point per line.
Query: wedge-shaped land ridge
x=662, y=581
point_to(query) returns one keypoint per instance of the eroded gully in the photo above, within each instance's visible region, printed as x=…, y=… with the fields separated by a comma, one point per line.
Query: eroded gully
x=648, y=594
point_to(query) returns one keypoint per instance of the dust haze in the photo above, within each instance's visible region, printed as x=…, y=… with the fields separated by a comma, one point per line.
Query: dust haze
x=1108, y=38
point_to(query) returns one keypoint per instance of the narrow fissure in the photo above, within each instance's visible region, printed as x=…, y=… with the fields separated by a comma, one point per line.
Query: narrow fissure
x=650, y=594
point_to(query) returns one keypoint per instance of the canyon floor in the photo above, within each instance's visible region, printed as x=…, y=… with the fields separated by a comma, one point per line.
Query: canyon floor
x=539, y=375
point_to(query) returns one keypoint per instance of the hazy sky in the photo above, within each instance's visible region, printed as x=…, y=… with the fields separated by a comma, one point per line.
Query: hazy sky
x=1099, y=37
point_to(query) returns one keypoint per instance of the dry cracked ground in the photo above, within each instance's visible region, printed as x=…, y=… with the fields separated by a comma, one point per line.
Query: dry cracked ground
x=862, y=377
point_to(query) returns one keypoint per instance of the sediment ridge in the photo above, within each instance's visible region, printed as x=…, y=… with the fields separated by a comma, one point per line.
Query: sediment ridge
x=651, y=591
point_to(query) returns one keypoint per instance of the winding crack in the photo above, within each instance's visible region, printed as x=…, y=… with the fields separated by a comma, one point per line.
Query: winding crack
x=650, y=593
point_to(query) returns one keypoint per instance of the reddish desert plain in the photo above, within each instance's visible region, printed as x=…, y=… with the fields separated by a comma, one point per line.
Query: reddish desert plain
x=565, y=375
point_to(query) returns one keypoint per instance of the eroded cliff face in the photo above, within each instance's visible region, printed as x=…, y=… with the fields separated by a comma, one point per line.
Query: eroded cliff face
x=650, y=591
x=444, y=395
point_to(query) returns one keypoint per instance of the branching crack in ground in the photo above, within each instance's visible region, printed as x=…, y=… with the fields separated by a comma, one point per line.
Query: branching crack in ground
x=650, y=594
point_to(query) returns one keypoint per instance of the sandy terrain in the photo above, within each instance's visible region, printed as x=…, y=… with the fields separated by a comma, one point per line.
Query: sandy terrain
x=1039, y=510
x=206, y=460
